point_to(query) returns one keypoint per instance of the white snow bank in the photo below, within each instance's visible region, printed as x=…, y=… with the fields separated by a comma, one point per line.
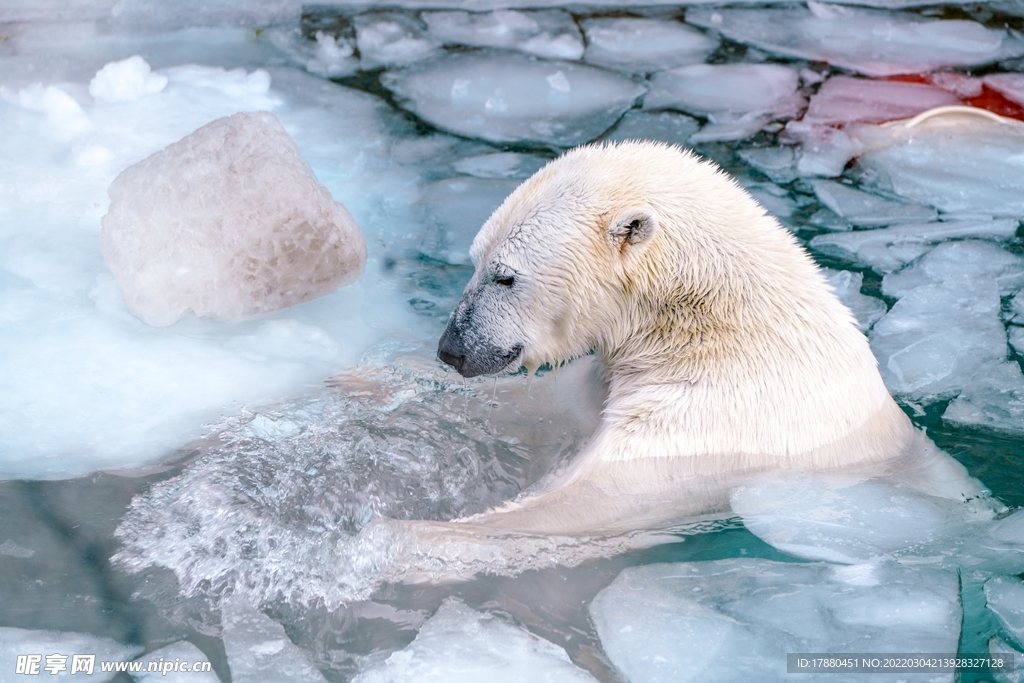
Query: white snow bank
x=738, y=99
x=460, y=645
x=892, y=248
x=229, y=222
x=871, y=42
x=549, y=33
x=83, y=384
x=15, y=642
x=634, y=44
x=736, y=620
x=508, y=97
x=126, y=80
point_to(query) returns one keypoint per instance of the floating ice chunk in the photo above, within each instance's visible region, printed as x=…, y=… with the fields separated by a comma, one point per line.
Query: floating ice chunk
x=663, y=126
x=843, y=99
x=229, y=222
x=775, y=162
x=994, y=400
x=825, y=151
x=182, y=651
x=871, y=42
x=638, y=45
x=250, y=89
x=868, y=210
x=127, y=80
x=333, y=57
x=391, y=39
x=461, y=645
x=12, y=549
x=1010, y=86
x=735, y=620
x=772, y=197
x=999, y=649
x=19, y=641
x=500, y=165
x=453, y=211
x=1005, y=597
x=839, y=519
x=953, y=259
x=738, y=99
x=890, y=249
x=546, y=33
x=65, y=118
x=508, y=97
x=866, y=309
x=958, y=162
x=258, y=649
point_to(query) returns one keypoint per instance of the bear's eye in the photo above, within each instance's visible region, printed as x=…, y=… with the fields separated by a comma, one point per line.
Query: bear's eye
x=504, y=280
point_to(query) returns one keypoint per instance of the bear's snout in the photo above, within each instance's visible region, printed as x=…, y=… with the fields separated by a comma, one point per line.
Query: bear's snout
x=474, y=358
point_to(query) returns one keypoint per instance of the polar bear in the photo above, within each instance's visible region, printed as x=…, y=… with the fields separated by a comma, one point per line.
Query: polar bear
x=723, y=350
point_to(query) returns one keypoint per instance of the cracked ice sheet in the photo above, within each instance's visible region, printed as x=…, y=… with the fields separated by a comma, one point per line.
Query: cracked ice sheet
x=258, y=649
x=871, y=42
x=889, y=249
x=460, y=645
x=1005, y=597
x=83, y=384
x=509, y=97
x=735, y=620
x=944, y=337
x=737, y=99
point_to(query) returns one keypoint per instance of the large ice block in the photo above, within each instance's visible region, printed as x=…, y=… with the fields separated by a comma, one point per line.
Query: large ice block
x=229, y=222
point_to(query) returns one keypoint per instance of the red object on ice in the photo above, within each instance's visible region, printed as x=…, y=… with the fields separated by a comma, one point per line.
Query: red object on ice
x=989, y=99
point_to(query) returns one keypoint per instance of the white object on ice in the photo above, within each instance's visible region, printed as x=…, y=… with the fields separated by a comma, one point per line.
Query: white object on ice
x=890, y=249
x=865, y=209
x=460, y=645
x=228, y=222
x=509, y=97
x=332, y=57
x=634, y=44
x=65, y=117
x=735, y=620
x=871, y=42
x=181, y=651
x=20, y=641
x=258, y=649
x=125, y=81
x=391, y=39
x=738, y=99
x=551, y=34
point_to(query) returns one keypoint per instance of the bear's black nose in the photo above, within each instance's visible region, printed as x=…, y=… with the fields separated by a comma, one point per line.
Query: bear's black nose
x=455, y=361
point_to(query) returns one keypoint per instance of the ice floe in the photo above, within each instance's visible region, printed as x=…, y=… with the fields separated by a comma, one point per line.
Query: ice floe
x=889, y=249
x=867, y=210
x=259, y=650
x=944, y=337
x=663, y=126
x=634, y=44
x=509, y=97
x=392, y=39
x=176, y=653
x=547, y=33
x=866, y=309
x=736, y=619
x=871, y=42
x=460, y=645
x=737, y=99
x=1005, y=597
x=844, y=99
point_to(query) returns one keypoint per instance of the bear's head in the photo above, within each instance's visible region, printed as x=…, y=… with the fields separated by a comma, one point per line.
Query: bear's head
x=625, y=249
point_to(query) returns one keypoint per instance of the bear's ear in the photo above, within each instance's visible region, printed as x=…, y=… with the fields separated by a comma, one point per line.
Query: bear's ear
x=633, y=226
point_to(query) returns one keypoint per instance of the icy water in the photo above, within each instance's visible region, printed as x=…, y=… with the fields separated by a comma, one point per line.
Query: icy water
x=195, y=492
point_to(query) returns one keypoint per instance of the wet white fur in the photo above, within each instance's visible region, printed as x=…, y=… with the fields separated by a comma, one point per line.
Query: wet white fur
x=724, y=351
